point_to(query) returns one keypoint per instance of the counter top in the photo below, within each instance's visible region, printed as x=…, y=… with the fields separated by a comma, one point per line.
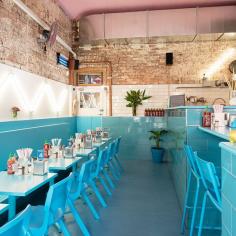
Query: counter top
x=231, y=147
x=221, y=132
x=198, y=107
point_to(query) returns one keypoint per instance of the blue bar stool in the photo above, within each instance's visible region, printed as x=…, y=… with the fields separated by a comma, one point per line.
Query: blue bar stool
x=193, y=172
x=19, y=225
x=53, y=211
x=212, y=186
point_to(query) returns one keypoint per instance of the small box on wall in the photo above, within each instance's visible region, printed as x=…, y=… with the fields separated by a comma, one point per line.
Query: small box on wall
x=169, y=58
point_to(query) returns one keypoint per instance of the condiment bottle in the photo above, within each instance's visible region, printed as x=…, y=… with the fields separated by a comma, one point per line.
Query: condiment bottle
x=10, y=163
x=46, y=147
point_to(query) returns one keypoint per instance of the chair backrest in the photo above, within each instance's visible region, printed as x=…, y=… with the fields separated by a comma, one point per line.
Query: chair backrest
x=101, y=161
x=111, y=150
x=79, y=179
x=88, y=168
x=117, y=145
x=191, y=158
x=18, y=226
x=57, y=197
x=209, y=177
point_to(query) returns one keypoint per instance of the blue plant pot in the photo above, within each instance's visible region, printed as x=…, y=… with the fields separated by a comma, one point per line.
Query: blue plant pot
x=157, y=154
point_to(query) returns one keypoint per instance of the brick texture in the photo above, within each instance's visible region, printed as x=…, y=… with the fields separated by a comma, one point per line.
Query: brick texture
x=145, y=63
x=18, y=38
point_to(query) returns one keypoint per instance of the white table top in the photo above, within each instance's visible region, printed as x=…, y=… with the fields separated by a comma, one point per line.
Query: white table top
x=62, y=163
x=3, y=207
x=22, y=185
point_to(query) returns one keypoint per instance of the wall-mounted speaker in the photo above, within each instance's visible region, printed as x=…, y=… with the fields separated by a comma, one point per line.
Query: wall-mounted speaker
x=169, y=58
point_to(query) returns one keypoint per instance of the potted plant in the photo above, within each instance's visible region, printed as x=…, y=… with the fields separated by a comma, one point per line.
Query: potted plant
x=15, y=111
x=135, y=98
x=157, y=150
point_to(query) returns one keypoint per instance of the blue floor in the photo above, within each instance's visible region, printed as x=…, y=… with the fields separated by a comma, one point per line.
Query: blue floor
x=143, y=204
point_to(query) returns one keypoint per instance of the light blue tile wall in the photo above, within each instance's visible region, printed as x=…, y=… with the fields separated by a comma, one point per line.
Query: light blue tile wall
x=228, y=192
x=135, y=142
x=32, y=133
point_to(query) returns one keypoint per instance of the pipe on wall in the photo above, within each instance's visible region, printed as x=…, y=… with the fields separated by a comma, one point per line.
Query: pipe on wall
x=30, y=13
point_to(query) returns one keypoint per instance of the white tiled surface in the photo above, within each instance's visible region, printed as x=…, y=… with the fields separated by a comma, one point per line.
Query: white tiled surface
x=160, y=94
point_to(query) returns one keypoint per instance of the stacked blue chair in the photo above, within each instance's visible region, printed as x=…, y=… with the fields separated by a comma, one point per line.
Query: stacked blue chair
x=193, y=173
x=53, y=211
x=18, y=226
x=212, y=187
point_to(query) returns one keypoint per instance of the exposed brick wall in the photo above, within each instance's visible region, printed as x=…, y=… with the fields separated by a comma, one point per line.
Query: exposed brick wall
x=18, y=34
x=145, y=64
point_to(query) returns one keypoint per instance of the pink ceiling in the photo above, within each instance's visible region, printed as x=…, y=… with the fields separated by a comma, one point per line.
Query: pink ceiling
x=78, y=8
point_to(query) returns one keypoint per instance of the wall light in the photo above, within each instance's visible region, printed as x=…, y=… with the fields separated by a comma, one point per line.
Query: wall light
x=223, y=58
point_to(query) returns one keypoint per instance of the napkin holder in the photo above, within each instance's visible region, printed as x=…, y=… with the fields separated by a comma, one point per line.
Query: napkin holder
x=40, y=167
x=69, y=153
x=88, y=144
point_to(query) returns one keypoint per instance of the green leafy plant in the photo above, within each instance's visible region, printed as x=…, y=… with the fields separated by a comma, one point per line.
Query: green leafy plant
x=135, y=98
x=156, y=136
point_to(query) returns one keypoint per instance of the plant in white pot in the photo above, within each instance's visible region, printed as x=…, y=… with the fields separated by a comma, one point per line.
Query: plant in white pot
x=157, y=150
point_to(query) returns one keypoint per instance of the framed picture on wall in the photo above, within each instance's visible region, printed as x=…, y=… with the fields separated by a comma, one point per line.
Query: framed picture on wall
x=90, y=79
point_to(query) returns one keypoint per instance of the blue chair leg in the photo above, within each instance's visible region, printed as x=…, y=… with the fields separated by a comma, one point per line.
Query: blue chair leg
x=194, y=208
x=98, y=194
x=113, y=172
x=78, y=219
x=104, y=186
x=116, y=168
x=63, y=228
x=186, y=203
x=118, y=163
x=110, y=182
x=90, y=205
x=202, y=214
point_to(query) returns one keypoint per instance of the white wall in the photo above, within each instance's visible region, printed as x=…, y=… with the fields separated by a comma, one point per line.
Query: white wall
x=37, y=97
x=160, y=95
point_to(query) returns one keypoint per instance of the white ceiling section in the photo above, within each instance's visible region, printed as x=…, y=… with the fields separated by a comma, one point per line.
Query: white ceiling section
x=158, y=23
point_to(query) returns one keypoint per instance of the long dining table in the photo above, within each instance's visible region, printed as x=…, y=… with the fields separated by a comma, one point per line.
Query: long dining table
x=15, y=186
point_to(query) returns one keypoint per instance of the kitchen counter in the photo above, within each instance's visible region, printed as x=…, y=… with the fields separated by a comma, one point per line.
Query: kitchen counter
x=221, y=132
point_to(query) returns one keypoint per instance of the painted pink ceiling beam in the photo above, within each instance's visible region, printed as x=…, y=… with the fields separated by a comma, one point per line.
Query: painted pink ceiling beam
x=78, y=8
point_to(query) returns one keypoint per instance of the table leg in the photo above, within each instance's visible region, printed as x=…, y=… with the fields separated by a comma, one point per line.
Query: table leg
x=12, y=207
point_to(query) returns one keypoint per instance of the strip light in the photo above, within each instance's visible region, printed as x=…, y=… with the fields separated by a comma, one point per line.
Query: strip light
x=224, y=57
x=29, y=104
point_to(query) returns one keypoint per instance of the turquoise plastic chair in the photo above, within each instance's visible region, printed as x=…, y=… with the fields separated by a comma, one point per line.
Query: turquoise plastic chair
x=117, y=148
x=212, y=187
x=53, y=211
x=78, y=190
x=193, y=173
x=100, y=170
x=109, y=162
x=19, y=225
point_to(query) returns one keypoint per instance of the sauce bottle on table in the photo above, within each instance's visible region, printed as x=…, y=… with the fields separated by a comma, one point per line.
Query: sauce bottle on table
x=46, y=148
